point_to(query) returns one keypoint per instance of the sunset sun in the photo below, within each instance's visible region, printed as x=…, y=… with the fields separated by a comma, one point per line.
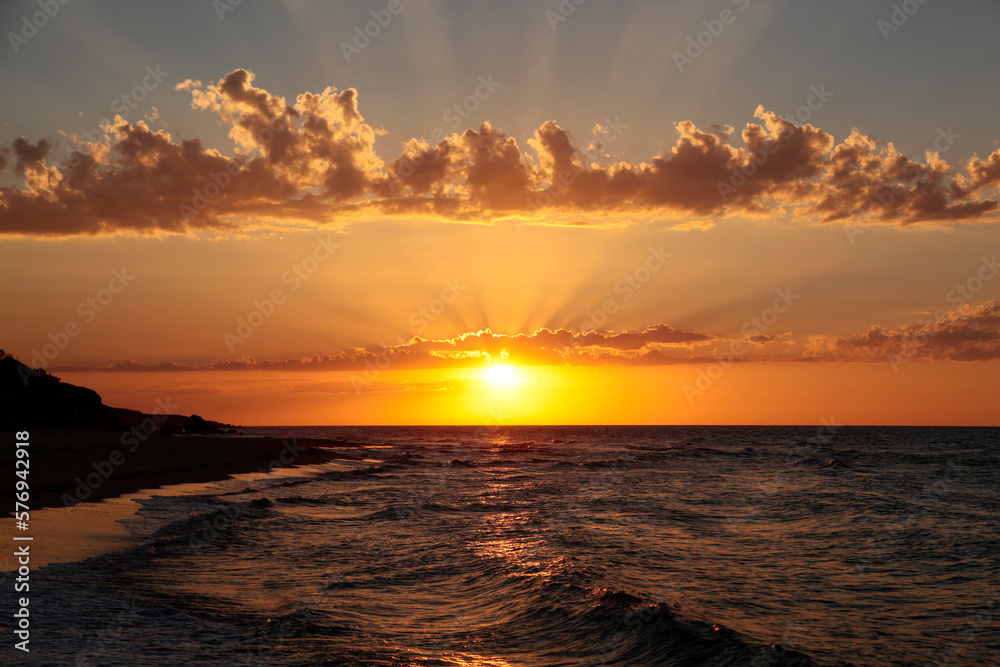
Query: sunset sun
x=502, y=376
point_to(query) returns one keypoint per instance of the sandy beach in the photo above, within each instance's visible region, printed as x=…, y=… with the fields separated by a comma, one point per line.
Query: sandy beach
x=71, y=467
x=90, y=529
x=83, y=484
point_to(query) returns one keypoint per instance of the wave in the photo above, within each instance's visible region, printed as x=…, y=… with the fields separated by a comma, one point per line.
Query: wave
x=201, y=528
x=647, y=448
x=643, y=632
x=541, y=563
x=815, y=462
x=405, y=458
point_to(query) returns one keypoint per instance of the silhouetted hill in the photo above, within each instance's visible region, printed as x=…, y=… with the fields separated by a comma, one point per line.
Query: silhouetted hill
x=35, y=399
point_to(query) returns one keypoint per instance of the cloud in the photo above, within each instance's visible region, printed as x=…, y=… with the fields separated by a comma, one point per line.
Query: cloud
x=313, y=159
x=877, y=183
x=970, y=333
x=541, y=347
x=694, y=225
x=986, y=173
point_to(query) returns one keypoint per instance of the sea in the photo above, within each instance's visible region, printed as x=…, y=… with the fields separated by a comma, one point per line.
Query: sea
x=556, y=546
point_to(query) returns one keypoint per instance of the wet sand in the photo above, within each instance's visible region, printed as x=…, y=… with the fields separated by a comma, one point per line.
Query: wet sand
x=82, y=484
x=89, y=529
x=66, y=467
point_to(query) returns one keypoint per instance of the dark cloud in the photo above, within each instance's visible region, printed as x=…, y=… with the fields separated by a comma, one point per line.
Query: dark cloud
x=29, y=157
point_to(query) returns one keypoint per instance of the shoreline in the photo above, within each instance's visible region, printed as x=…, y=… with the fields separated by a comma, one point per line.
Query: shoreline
x=68, y=468
x=83, y=483
x=92, y=529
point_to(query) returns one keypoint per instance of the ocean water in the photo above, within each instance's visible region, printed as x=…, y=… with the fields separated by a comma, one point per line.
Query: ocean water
x=532, y=546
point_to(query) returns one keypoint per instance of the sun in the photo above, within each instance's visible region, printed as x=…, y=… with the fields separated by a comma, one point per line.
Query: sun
x=501, y=376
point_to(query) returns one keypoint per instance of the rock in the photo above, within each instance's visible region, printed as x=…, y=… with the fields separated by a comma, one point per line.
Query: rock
x=196, y=425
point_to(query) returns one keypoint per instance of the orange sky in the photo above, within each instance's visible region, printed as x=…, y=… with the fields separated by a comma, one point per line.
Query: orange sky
x=277, y=239
x=766, y=393
x=658, y=349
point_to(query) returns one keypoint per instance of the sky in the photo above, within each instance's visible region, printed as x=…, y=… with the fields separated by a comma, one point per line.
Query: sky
x=420, y=212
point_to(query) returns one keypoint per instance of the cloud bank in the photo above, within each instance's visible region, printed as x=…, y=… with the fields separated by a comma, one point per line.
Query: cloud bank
x=966, y=334
x=971, y=333
x=314, y=160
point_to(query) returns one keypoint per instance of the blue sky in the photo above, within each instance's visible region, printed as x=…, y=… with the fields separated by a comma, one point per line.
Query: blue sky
x=606, y=60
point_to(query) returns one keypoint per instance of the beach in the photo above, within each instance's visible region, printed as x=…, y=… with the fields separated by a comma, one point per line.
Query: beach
x=84, y=485
x=68, y=467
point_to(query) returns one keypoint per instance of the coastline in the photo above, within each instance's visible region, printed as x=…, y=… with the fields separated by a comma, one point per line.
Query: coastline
x=184, y=465
x=70, y=467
